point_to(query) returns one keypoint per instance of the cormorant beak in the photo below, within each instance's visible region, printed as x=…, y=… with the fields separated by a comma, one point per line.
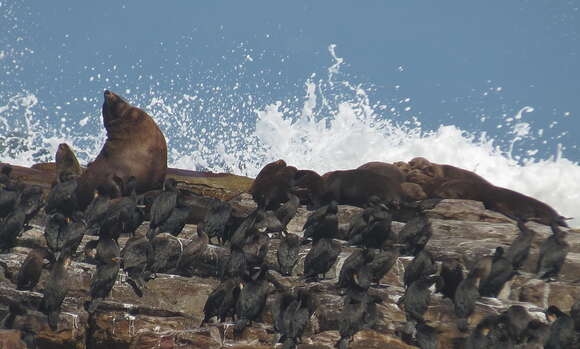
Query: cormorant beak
x=116, y=259
x=355, y=278
x=485, y=331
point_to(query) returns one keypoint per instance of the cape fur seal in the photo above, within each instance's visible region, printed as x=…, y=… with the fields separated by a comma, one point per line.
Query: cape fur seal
x=355, y=187
x=135, y=146
x=272, y=184
x=430, y=175
x=384, y=169
x=66, y=160
x=508, y=202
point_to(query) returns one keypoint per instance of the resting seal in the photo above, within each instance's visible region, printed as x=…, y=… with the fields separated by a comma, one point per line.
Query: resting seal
x=355, y=187
x=309, y=187
x=384, y=169
x=135, y=146
x=508, y=202
x=430, y=176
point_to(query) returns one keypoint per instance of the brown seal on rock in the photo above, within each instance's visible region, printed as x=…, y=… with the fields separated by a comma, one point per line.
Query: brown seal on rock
x=444, y=171
x=309, y=187
x=430, y=176
x=412, y=191
x=355, y=187
x=66, y=160
x=508, y=202
x=135, y=146
x=272, y=184
x=385, y=169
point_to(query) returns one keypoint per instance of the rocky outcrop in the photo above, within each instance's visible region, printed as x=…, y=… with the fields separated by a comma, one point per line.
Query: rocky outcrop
x=170, y=312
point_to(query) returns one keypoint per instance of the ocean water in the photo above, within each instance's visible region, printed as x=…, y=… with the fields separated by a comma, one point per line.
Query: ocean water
x=241, y=117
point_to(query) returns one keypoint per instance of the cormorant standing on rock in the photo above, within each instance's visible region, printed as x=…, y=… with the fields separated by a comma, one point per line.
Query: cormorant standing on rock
x=108, y=258
x=192, y=253
x=123, y=215
x=451, y=276
x=466, y=295
x=352, y=266
x=216, y=219
x=322, y=222
x=235, y=265
x=288, y=210
x=562, y=332
x=222, y=301
x=54, y=232
x=256, y=249
x=321, y=258
x=55, y=290
x=536, y=334
x=176, y=221
x=62, y=197
x=11, y=227
x=501, y=272
x=287, y=253
x=358, y=313
x=519, y=250
x=31, y=201
x=253, y=292
x=382, y=262
x=31, y=269
x=426, y=336
x=478, y=338
x=246, y=229
x=291, y=314
x=96, y=211
x=553, y=252
x=358, y=223
x=415, y=235
x=517, y=319
x=73, y=234
x=422, y=265
x=416, y=300
x=167, y=250
x=162, y=206
x=378, y=230
x=136, y=256
x=9, y=198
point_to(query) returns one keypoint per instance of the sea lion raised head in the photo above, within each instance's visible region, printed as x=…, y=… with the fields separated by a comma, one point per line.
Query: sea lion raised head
x=135, y=146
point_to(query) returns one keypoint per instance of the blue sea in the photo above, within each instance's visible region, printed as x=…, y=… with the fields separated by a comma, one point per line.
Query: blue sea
x=244, y=110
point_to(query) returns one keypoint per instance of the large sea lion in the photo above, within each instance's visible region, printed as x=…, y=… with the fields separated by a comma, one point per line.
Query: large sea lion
x=135, y=146
x=385, y=169
x=355, y=187
x=511, y=203
x=309, y=187
x=272, y=184
x=430, y=175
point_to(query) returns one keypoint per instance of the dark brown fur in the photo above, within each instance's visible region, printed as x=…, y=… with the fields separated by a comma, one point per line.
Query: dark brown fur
x=67, y=161
x=135, y=146
x=385, y=169
x=355, y=187
x=430, y=176
x=309, y=187
x=511, y=203
x=271, y=186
